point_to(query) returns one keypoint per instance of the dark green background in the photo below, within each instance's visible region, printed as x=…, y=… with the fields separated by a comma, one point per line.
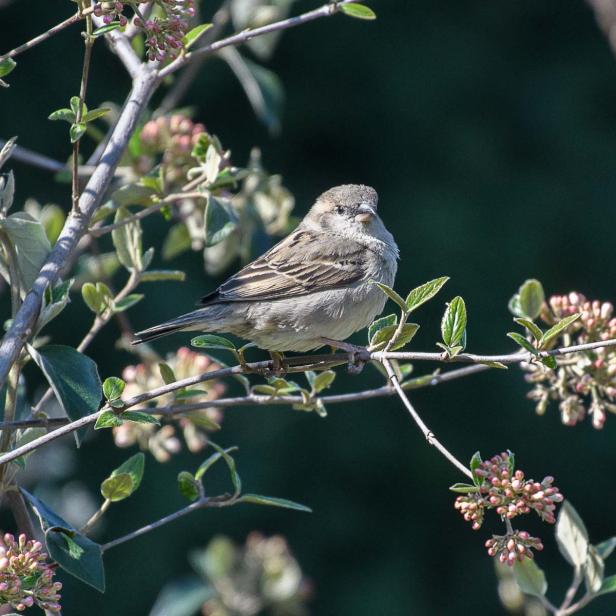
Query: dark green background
x=489, y=130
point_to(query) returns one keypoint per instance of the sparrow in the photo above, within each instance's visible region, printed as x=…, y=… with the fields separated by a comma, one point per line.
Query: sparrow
x=316, y=283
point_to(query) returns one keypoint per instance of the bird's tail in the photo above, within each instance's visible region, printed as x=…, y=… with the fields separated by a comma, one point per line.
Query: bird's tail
x=195, y=320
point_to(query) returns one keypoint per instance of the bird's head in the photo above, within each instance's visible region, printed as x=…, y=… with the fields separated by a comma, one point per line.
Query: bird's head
x=346, y=208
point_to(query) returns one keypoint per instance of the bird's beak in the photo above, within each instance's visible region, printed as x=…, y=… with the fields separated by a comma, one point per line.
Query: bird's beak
x=365, y=213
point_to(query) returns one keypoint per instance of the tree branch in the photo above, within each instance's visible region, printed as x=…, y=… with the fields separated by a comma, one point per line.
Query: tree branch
x=77, y=222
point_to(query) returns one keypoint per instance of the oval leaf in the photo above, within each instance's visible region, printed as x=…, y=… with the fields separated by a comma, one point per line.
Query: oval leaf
x=210, y=341
x=257, y=499
x=558, y=329
x=454, y=322
x=358, y=11
x=531, y=298
x=572, y=536
x=530, y=578
x=117, y=487
x=425, y=292
x=113, y=387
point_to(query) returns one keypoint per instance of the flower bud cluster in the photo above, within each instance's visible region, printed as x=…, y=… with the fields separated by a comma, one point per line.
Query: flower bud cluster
x=163, y=441
x=512, y=547
x=498, y=486
x=26, y=578
x=164, y=34
x=508, y=492
x=173, y=136
x=584, y=384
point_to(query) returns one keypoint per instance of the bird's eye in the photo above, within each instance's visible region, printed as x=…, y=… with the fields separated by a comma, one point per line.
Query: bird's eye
x=339, y=209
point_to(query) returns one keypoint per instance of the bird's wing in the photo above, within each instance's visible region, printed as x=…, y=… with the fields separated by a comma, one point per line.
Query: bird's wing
x=300, y=264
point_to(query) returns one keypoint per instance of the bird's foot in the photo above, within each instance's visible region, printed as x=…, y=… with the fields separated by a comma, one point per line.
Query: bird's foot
x=277, y=364
x=356, y=363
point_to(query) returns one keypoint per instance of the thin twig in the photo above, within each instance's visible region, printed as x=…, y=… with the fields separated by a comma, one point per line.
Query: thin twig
x=293, y=364
x=572, y=590
x=203, y=503
x=47, y=34
x=240, y=38
x=96, y=516
x=432, y=440
x=152, y=209
x=83, y=86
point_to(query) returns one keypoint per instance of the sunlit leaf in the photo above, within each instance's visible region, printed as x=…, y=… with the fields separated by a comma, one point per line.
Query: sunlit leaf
x=530, y=578
x=257, y=499
x=571, y=535
x=424, y=292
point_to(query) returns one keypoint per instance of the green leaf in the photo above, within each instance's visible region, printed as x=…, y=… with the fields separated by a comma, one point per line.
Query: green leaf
x=177, y=241
x=74, y=103
x=235, y=478
x=609, y=585
x=105, y=29
x=31, y=245
x=494, y=364
x=219, y=221
x=67, y=115
x=92, y=298
x=166, y=373
x=605, y=548
x=358, y=11
x=376, y=325
x=257, y=499
x=550, y=362
x=454, y=322
x=77, y=555
x=558, y=329
x=192, y=36
x=464, y=488
x=159, y=275
x=95, y=114
x=6, y=66
x=207, y=464
x=424, y=292
x=525, y=344
x=391, y=293
x=188, y=486
x=107, y=419
x=383, y=335
x=55, y=299
x=73, y=377
x=127, y=241
x=530, y=326
x=134, y=467
x=475, y=463
x=77, y=131
x=210, y=341
x=571, y=536
x=531, y=298
x=593, y=570
x=127, y=302
x=530, y=578
x=265, y=390
x=139, y=417
x=117, y=487
x=113, y=387
x=323, y=380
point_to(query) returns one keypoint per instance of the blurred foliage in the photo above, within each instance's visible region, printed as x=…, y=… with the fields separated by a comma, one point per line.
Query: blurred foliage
x=489, y=130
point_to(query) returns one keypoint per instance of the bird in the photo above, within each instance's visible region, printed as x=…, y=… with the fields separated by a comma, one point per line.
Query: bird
x=315, y=284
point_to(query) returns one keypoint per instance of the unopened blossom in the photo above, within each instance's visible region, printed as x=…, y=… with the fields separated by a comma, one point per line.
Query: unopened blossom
x=173, y=136
x=509, y=493
x=26, y=576
x=584, y=383
x=512, y=547
x=164, y=33
x=163, y=441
